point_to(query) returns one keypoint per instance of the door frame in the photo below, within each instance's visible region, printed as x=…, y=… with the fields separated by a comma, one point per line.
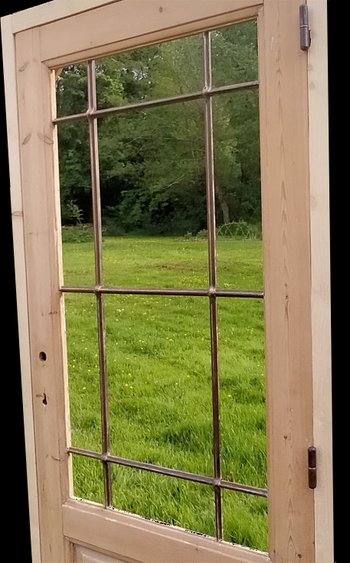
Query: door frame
x=295, y=190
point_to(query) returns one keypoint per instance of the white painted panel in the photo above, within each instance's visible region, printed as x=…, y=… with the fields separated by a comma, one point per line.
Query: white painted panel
x=83, y=555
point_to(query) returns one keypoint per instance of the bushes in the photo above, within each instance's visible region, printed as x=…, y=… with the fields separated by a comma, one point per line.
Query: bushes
x=77, y=233
x=71, y=213
x=240, y=230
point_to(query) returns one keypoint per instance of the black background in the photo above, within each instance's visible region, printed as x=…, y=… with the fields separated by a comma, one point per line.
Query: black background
x=13, y=455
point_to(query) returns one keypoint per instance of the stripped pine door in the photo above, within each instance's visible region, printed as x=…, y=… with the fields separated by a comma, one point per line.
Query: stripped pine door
x=290, y=97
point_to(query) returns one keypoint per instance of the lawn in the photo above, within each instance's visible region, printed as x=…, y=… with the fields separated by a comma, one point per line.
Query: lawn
x=158, y=356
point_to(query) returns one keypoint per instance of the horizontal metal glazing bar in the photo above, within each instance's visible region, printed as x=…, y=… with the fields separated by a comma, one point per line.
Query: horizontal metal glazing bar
x=257, y=491
x=185, y=475
x=159, y=102
x=165, y=291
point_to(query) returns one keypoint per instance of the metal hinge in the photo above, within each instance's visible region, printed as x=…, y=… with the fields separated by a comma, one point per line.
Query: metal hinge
x=305, y=34
x=312, y=467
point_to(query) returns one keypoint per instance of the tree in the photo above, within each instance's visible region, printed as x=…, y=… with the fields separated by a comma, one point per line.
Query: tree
x=152, y=161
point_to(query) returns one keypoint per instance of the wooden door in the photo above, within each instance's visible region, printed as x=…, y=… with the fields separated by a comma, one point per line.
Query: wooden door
x=293, y=146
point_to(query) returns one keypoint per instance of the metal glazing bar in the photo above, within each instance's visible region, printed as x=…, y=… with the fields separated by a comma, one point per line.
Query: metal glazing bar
x=95, y=173
x=211, y=223
x=208, y=91
x=248, y=294
x=101, y=322
x=185, y=475
x=257, y=491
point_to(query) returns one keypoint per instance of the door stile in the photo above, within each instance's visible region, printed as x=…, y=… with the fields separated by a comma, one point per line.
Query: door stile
x=41, y=233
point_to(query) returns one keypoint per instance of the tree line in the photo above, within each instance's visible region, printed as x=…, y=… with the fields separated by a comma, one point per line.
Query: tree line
x=152, y=161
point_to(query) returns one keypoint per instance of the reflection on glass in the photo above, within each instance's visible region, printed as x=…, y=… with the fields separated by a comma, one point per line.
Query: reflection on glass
x=235, y=54
x=238, y=191
x=71, y=90
x=88, y=479
x=153, y=197
x=159, y=377
x=245, y=520
x=76, y=204
x=83, y=371
x=165, y=499
x=158, y=71
x=242, y=385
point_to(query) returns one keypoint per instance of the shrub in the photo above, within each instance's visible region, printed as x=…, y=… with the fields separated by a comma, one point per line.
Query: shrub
x=240, y=230
x=77, y=233
x=71, y=213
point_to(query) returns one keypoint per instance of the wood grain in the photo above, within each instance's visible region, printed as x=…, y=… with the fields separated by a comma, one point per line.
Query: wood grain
x=320, y=277
x=8, y=46
x=135, y=538
x=119, y=28
x=287, y=257
x=51, y=11
x=37, y=144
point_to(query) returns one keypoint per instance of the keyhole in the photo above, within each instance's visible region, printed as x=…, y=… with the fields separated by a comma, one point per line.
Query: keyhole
x=42, y=356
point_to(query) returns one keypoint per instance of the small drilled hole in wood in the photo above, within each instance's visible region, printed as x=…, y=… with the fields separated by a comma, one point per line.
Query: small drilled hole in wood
x=42, y=356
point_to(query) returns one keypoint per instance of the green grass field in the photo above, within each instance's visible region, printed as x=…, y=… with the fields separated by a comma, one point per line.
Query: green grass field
x=158, y=355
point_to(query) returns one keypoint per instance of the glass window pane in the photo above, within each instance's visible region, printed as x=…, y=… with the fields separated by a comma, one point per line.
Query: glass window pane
x=164, y=499
x=83, y=371
x=76, y=204
x=245, y=520
x=235, y=54
x=88, y=481
x=153, y=197
x=242, y=386
x=159, y=378
x=71, y=90
x=238, y=191
x=158, y=71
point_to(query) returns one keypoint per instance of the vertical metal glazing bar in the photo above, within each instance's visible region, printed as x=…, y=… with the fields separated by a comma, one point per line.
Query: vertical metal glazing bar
x=210, y=186
x=101, y=322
